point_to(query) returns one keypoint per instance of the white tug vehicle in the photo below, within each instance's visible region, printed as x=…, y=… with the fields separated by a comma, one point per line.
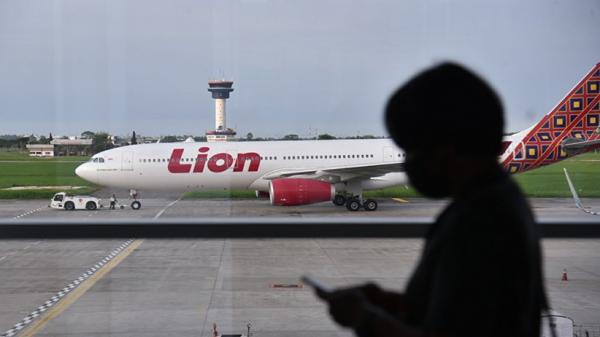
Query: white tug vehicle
x=62, y=200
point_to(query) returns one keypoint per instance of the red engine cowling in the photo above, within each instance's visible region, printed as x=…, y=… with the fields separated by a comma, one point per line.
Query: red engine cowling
x=297, y=191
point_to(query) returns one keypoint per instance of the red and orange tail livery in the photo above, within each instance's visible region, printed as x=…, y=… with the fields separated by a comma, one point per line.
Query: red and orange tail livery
x=571, y=128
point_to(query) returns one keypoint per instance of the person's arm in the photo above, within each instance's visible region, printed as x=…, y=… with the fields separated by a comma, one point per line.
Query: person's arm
x=353, y=309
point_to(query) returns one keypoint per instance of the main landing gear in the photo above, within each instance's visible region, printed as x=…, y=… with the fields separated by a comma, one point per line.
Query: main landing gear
x=355, y=203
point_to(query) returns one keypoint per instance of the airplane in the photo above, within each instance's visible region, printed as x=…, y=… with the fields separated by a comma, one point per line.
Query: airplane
x=306, y=172
x=578, y=202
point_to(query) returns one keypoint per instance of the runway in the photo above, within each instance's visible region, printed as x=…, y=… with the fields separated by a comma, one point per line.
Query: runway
x=181, y=287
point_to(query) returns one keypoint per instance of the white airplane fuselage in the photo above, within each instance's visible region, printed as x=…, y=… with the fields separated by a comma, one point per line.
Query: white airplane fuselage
x=237, y=165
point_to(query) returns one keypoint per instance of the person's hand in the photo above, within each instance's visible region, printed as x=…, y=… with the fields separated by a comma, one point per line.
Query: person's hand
x=348, y=307
x=391, y=302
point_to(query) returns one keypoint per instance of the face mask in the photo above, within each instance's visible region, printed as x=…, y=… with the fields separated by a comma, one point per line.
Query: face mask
x=429, y=174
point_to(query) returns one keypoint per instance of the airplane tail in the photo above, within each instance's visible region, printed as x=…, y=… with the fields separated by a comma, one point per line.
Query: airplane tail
x=571, y=128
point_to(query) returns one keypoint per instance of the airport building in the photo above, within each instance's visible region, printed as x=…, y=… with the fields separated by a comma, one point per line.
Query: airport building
x=40, y=150
x=220, y=90
x=61, y=147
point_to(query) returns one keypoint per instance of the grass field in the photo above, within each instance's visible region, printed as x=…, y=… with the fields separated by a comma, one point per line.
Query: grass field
x=18, y=169
x=549, y=181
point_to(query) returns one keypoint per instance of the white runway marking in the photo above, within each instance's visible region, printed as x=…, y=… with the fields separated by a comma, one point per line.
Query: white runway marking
x=28, y=213
x=166, y=207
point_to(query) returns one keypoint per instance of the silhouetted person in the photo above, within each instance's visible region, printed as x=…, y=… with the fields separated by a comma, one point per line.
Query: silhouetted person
x=113, y=201
x=480, y=270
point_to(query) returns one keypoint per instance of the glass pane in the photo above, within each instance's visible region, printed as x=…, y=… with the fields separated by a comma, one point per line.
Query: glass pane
x=253, y=109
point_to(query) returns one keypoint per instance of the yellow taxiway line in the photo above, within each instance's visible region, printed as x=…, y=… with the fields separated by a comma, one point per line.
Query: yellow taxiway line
x=400, y=200
x=69, y=299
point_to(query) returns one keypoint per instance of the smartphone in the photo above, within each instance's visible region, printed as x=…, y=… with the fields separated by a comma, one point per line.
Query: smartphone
x=322, y=289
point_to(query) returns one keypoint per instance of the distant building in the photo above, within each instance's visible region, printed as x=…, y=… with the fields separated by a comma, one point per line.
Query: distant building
x=72, y=147
x=40, y=150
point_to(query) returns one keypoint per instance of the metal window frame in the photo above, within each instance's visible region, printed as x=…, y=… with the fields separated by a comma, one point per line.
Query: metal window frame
x=253, y=228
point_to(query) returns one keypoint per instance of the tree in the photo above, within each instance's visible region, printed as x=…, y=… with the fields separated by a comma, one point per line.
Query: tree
x=50, y=137
x=169, y=139
x=101, y=141
x=249, y=136
x=87, y=134
x=325, y=136
x=133, y=139
x=291, y=137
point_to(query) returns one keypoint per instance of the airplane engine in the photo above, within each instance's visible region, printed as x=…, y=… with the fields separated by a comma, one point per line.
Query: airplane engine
x=297, y=191
x=262, y=195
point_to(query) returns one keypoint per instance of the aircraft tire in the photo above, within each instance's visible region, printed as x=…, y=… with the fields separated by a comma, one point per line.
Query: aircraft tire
x=339, y=200
x=353, y=205
x=69, y=206
x=370, y=205
x=136, y=205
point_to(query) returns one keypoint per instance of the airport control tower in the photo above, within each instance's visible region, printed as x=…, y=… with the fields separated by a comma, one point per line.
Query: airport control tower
x=220, y=90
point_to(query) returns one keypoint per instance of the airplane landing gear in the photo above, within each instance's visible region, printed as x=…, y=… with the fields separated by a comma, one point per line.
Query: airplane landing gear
x=135, y=205
x=370, y=205
x=352, y=195
x=339, y=200
x=354, y=204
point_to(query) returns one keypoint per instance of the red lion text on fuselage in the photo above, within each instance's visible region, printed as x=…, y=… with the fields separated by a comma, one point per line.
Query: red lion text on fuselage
x=217, y=163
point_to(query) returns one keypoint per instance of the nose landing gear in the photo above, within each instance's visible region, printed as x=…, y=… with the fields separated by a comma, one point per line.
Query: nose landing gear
x=135, y=205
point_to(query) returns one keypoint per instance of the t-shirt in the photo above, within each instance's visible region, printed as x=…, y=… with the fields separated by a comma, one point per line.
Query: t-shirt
x=480, y=272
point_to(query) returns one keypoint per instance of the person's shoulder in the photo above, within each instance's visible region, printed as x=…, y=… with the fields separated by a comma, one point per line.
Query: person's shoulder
x=500, y=202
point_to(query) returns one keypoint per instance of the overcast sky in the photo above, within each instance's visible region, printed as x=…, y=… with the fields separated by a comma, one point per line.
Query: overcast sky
x=302, y=67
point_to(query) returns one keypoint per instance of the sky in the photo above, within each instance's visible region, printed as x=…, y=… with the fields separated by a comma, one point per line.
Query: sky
x=302, y=67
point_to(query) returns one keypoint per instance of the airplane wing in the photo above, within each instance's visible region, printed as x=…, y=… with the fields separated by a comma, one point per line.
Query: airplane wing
x=339, y=173
x=576, y=197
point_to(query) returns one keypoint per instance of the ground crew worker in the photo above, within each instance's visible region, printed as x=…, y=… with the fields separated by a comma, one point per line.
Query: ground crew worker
x=113, y=202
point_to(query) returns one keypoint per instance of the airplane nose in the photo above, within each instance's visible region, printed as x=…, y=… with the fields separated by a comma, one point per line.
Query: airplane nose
x=84, y=172
x=79, y=170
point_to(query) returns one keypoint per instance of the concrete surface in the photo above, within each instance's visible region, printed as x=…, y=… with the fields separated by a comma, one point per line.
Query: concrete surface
x=182, y=287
